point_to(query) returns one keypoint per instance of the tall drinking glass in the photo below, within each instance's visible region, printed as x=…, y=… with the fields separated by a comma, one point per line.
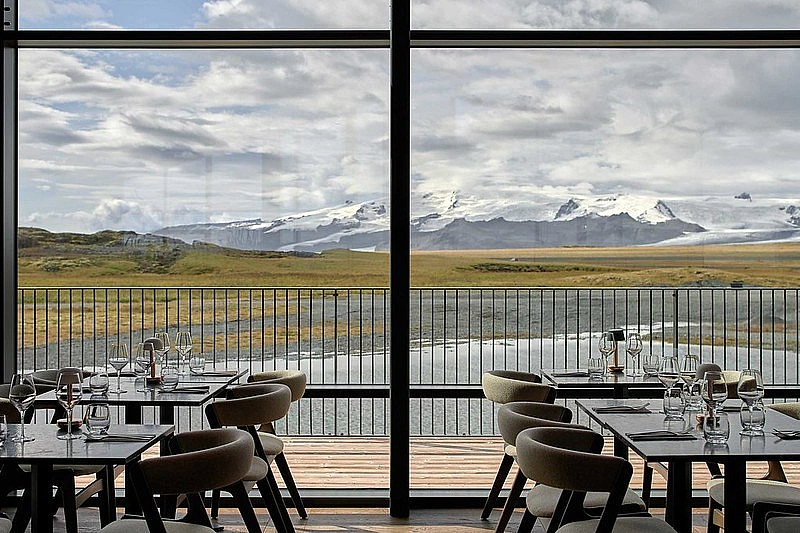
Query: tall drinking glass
x=751, y=391
x=714, y=390
x=606, y=345
x=69, y=391
x=21, y=394
x=163, y=336
x=689, y=374
x=634, y=346
x=119, y=358
x=668, y=371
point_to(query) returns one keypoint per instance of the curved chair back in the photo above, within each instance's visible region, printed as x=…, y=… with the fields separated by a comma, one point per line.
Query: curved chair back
x=731, y=377
x=208, y=459
x=294, y=379
x=564, y=458
x=517, y=416
x=250, y=405
x=504, y=386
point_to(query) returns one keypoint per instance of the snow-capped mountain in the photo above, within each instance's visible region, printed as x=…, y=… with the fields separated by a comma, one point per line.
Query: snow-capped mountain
x=453, y=220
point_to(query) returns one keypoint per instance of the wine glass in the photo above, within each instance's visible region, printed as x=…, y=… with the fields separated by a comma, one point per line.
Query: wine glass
x=118, y=358
x=689, y=374
x=21, y=394
x=751, y=390
x=634, y=346
x=142, y=363
x=669, y=371
x=183, y=345
x=69, y=391
x=163, y=336
x=606, y=344
x=714, y=390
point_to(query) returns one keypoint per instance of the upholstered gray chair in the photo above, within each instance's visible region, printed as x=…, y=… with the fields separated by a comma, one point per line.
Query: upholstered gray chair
x=296, y=381
x=501, y=387
x=200, y=461
x=568, y=459
x=246, y=406
x=772, y=488
x=776, y=518
x=515, y=417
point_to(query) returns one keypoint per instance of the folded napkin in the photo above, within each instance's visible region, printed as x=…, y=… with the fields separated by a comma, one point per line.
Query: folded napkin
x=111, y=437
x=221, y=373
x=786, y=434
x=190, y=389
x=571, y=374
x=661, y=434
x=639, y=409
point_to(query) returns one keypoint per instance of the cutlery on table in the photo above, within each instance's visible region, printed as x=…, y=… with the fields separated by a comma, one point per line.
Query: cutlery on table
x=119, y=437
x=189, y=390
x=573, y=374
x=786, y=433
x=661, y=434
x=639, y=408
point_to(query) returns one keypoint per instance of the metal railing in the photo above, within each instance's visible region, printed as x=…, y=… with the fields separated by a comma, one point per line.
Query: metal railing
x=340, y=337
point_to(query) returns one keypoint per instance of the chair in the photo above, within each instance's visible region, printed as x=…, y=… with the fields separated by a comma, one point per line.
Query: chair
x=202, y=460
x=244, y=407
x=513, y=418
x=776, y=518
x=772, y=488
x=501, y=387
x=17, y=477
x=568, y=459
x=296, y=381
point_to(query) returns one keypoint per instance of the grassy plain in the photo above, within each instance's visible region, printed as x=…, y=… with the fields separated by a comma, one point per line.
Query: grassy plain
x=770, y=265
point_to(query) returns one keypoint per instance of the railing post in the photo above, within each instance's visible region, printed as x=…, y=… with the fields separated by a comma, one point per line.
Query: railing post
x=675, y=322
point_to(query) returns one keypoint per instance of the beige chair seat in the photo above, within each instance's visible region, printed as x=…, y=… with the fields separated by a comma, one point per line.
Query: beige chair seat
x=272, y=445
x=758, y=490
x=258, y=470
x=542, y=500
x=634, y=524
x=140, y=526
x=510, y=450
x=783, y=524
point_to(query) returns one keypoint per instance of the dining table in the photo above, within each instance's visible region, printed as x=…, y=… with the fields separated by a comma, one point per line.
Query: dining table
x=680, y=443
x=46, y=450
x=574, y=382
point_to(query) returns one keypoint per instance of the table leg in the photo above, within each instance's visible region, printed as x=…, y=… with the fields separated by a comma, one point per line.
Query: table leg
x=679, y=496
x=166, y=415
x=41, y=498
x=735, y=497
x=132, y=506
x=620, y=448
x=133, y=414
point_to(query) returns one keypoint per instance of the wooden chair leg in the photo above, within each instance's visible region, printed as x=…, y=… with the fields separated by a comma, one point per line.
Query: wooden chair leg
x=288, y=480
x=67, y=488
x=272, y=506
x=108, y=497
x=287, y=521
x=713, y=508
x=511, y=501
x=23, y=515
x=499, y=480
x=527, y=522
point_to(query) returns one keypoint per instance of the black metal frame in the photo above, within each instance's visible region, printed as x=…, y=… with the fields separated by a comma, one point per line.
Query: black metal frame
x=400, y=39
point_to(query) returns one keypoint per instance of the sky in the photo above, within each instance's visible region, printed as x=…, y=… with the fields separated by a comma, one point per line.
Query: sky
x=127, y=139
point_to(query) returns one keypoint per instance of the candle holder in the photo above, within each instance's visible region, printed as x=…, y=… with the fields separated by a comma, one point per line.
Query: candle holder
x=617, y=335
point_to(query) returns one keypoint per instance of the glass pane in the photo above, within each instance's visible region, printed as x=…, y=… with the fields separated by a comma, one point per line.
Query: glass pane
x=605, y=14
x=199, y=14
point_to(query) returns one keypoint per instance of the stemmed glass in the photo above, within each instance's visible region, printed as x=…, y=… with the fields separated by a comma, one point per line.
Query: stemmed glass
x=714, y=390
x=142, y=362
x=634, y=346
x=689, y=375
x=183, y=345
x=69, y=391
x=751, y=390
x=118, y=358
x=163, y=336
x=669, y=371
x=606, y=344
x=21, y=394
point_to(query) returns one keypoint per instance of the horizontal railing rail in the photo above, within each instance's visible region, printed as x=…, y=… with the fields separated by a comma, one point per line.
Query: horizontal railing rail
x=340, y=338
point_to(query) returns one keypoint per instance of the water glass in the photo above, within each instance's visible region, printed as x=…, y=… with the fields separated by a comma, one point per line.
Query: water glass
x=197, y=364
x=650, y=364
x=716, y=427
x=753, y=417
x=97, y=419
x=596, y=366
x=674, y=403
x=98, y=383
x=169, y=378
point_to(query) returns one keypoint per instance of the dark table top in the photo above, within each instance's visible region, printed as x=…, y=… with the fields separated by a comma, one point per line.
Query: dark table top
x=150, y=397
x=580, y=378
x=46, y=448
x=758, y=448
